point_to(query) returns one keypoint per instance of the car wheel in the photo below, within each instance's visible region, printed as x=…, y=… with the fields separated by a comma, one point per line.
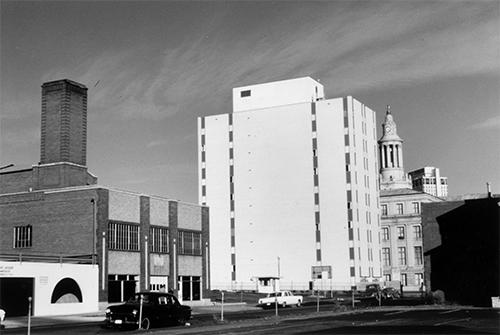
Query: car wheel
x=299, y=303
x=181, y=321
x=145, y=324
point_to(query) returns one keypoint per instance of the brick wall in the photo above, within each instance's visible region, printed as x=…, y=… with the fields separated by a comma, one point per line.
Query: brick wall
x=64, y=122
x=62, y=221
x=16, y=181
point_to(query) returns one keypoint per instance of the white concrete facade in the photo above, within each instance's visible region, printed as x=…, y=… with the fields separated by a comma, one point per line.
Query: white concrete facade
x=290, y=178
x=46, y=277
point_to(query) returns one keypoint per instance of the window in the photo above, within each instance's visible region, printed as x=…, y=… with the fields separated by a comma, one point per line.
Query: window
x=404, y=279
x=122, y=236
x=387, y=277
x=417, y=232
x=418, y=256
x=402, y=255
x=416, y=207
x=158, y=239
x=399, y=208
x=401, y=232
x=189, y=243
x=22, y=236
x=386, y=256
x=385, y=233
x=419, y=279
x=384, y=210
x=246, y=93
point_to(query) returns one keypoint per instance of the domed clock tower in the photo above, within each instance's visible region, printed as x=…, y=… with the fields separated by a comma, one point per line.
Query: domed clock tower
x=392, y=175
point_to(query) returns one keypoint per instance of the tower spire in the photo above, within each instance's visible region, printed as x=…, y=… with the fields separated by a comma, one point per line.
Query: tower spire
x=392, y=173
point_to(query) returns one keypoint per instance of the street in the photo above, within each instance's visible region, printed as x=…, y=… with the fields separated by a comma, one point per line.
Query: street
x=305, y=320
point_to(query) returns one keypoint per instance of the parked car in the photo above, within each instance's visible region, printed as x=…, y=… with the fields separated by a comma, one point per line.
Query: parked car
x=372, y=290
x=390, y=293
x=158, y=308
x=283, y=298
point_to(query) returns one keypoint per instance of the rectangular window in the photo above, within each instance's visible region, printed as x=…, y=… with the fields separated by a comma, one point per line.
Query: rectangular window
x=158, y=239
x=386, y=256
x=23, y=236
x=416, y=207
x=419, y=279
x=246, y=93
x=122, y=236
x=387, y=277
x=385, y=233
x=404, y=279
x=399, y=208
x=417, y=232
x=189, y=243
x=401, y=232
x=384, y=210
x=418, y=256
x=402, y=255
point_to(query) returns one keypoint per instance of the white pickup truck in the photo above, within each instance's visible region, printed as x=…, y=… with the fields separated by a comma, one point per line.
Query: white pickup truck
x=283, y=298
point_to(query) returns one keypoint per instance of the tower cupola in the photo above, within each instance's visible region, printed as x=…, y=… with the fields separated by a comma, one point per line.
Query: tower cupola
x=392, y=175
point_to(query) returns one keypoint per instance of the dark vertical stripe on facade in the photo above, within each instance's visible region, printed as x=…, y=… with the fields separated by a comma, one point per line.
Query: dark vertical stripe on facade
x=351, y=253
x=205, y=240
x=173, y=232
x=315, y=178
x=144, y=232
x=102, y=219
x=231, y=197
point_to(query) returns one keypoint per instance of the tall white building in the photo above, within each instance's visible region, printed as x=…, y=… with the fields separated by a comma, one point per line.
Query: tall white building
x=291, y=180
x=429, y=180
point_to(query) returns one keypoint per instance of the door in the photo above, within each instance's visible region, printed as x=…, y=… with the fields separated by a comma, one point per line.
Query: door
x=14, y=294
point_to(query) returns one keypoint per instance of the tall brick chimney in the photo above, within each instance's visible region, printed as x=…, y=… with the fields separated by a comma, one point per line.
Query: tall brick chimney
x=64, y=123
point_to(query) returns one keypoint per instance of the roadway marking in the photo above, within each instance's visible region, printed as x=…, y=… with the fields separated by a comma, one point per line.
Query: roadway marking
x=394, y=313
x=450, y=311
x=452, y=321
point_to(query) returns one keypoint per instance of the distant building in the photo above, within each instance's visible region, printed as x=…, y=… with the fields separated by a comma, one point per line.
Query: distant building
x=291, y=179
x=461, y=246
x=108, y=243
x=401, y=229
x=429, y=180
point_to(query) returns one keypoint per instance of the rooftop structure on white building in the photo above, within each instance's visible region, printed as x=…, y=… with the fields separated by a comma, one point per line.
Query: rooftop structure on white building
x=291, y=179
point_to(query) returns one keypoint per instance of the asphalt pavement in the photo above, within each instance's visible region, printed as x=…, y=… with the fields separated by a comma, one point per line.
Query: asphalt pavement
x=245, y=319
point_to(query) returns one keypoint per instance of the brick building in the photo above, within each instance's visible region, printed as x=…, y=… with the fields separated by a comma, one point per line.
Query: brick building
x=462, y=249
x=56, y=211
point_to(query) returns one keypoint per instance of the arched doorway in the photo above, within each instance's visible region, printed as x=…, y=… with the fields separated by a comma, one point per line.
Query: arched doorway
x=66, y=291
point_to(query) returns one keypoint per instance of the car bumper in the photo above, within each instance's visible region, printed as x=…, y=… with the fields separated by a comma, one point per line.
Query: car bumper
x=117, y=322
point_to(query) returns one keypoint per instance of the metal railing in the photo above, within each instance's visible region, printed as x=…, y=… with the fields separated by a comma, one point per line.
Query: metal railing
x=73, y=259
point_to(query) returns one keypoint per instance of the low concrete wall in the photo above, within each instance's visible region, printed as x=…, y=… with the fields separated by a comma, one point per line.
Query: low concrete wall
x=47, y=275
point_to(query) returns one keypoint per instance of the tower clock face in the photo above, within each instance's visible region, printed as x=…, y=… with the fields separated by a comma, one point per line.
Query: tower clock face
x=388, y=129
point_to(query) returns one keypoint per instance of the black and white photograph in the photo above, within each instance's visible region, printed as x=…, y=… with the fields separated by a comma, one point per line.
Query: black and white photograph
x=250, y=167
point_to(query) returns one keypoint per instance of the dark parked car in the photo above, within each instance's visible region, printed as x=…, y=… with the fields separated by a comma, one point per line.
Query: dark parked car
x=390, y=293
x=158, y=308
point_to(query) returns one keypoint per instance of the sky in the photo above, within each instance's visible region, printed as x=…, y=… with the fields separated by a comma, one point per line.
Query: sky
x=153, y=67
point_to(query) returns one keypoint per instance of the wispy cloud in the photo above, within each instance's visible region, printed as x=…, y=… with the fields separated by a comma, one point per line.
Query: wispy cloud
x=491, y=123
x=350, y=50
